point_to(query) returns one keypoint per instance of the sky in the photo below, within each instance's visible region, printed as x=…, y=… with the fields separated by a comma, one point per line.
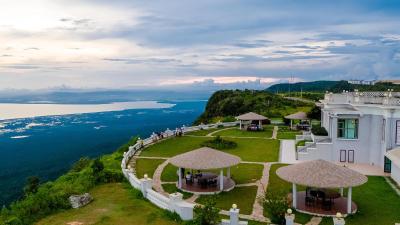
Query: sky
x=143, y=44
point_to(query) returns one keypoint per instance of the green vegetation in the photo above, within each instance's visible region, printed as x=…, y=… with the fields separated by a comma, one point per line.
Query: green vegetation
x=275, y=206
x=284, y=132
x=219, y=143
x=114, y=203
x=208, y=214
x=319, y=131
x=171, y=188
x=235, y=132
x=203, y=132
x=301, y=143
x=314, y=86
x=147, y=166
x=53, y=196
x=236, y=102
x=169, y=174
x=244, y=197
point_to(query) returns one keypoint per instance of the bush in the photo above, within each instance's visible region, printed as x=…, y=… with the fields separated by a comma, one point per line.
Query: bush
x=32, y=185
x=275, y=205
x=207, y=214
x=319, y=131
x=172, y=216
x=219, y=143
x=81, y=164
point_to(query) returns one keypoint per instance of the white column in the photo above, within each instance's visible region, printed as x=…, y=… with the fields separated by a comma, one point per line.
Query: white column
x=289, y=219
x=240, y=126
x=228, y=172
x=294, y=195
x=349, y=201
x=234, y=216
x=146, y=184
x=260, y=123
x=180, y=178
x=221, y=180
x=341, y=192
x=291, y=124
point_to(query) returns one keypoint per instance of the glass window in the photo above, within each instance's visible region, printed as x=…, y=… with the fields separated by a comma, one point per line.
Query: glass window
x=348, y=128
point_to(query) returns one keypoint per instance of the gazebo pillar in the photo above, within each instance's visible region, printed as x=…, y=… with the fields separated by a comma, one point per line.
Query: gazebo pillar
x=291, y=124
x=180, y=178
x=260, y=124
x=349, y=201
x=240, y=124
x=341, y=191
x=228, y=172
x=221, y=180
x=294, y=195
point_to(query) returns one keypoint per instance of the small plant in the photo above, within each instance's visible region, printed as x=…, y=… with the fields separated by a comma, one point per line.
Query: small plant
x=319, y=131
x=275, y=205
x=207, y=214
x=219, y=143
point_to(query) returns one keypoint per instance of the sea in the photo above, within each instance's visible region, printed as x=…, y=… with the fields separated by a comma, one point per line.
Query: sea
x=44, y=140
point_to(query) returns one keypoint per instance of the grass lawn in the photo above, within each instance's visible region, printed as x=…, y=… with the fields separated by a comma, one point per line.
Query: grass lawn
x=203, y=132
x=171, y=188
x=241, y=174
x=113, y=204
x=377, y=203
x=173, y=146
x=288, y=134
x=254, y=149
x=235, y=132
x=147, y=166
x=244, y=197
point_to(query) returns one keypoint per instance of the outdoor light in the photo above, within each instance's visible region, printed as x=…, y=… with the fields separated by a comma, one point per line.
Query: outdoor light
x=289, y=211
x=234, y=206
x=145, y=176
x=338, y=215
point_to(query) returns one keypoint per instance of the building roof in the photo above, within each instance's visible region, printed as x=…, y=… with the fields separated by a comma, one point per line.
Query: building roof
x=205, y=158
x=251, y=116
x=321, y=174
x=394, y=156
x=297, y=116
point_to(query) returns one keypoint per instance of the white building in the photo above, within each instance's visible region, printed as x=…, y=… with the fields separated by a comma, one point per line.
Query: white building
x=362, y=82
x=362, y=128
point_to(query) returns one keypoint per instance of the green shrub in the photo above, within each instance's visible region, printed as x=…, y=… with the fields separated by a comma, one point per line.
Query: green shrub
x=81, y=164
x=172, y=216
x=207, y=214
x=32, y=185
x=219, y=143
x=276, y=205
x=319, y=131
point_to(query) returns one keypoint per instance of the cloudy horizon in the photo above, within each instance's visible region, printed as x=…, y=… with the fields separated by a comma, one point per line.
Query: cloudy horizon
x=121, y=44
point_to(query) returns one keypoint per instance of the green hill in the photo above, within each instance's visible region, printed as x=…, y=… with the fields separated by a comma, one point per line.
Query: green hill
x=228, y=103
x=314, y=86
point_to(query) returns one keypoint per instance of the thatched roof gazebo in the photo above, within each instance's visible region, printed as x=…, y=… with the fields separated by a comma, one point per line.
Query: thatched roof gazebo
x=249, y=117
x=296, y=116
x=205, y=159
x=321, y=174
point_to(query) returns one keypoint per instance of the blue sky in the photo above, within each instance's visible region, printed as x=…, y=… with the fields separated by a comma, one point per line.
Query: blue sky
x=119, y=44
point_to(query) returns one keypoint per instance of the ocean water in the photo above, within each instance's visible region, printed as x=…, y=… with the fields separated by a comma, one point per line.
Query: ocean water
x=47, y=146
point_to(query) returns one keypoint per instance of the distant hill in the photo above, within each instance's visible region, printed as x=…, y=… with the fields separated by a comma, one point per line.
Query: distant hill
x=313, y=86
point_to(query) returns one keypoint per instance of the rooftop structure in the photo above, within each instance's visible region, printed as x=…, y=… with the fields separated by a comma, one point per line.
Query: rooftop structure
x=251, y=121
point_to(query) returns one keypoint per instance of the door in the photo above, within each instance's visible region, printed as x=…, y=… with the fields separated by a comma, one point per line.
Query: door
x=342, y=155
x=350, y=157
x=387, y=168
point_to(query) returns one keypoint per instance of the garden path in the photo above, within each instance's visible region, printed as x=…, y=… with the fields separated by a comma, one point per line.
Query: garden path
x=314, y=220
x=211, y=134
x=157, y=185
x=258, y=208
x=275, y=132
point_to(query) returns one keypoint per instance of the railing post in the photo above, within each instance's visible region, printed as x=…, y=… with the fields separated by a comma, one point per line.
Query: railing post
x=289, y=217
x=146, y=184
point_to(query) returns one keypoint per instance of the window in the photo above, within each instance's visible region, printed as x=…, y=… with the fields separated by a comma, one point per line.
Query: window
x=348, y=128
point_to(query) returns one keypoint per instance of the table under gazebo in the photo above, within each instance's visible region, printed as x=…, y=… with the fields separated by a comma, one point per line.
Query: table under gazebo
x=324, y=182
x=196, y=173
x=302, y=117
x=251, y=121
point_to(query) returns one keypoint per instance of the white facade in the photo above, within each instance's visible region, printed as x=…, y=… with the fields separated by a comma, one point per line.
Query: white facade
x=394, y=156
x=361, y=127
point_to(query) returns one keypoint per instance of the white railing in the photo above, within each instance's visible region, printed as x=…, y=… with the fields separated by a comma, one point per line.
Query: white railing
x=184, y=209
x=378, y=98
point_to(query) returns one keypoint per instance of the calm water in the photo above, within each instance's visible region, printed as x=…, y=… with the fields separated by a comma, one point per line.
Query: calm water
x=47, y=146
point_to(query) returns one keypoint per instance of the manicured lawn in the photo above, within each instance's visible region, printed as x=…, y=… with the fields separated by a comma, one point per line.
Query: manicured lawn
x=288, y=134
x=377, y=203
x=173, y=146
x=242, y=173
x=203, y=132
x=113, y=204
x=244, y=197
x=254, y=149
x=147, y=166
x=171, y=188
x=235, y=132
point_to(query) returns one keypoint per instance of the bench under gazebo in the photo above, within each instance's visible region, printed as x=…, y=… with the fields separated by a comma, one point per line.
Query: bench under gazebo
x=201, y=166
x=324, y=182
x=300, y=116
x=251, y=121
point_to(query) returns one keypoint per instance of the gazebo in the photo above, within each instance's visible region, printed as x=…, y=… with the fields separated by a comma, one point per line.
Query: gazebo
x=323, y=177
x=250, y=118
x=205, y=159
x=302, y=116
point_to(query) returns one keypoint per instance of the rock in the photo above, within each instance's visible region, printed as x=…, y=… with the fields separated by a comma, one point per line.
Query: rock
x=78, y=201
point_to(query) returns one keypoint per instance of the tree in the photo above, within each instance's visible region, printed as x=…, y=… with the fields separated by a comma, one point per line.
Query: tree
x=314, y=113
x=275, y=204
x=97, y=166
x=32, y=185
x=207, y=214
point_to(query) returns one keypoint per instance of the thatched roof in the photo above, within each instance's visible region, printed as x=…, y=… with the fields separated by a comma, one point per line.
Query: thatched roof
x=205, y=158
x=251, y=116
x=321, y=174
x=394, y=156
x=297, y=116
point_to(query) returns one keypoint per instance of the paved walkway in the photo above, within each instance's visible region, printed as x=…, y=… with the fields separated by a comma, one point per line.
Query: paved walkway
x=287, y=152
x=211, y=134
x=365, y=169
x=275, y=132
x=314, y=221
x=258, y=208
x=157, y=184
